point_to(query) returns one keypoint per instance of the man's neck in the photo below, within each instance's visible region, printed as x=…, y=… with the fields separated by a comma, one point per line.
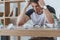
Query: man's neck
x=39, y=13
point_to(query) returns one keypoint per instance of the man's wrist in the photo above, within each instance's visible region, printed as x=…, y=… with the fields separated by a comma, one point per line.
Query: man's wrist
x=44, y=7
x=26, y=6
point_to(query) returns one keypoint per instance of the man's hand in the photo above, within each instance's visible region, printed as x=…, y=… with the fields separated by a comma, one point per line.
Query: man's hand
x=41, y=3
x=27, y=4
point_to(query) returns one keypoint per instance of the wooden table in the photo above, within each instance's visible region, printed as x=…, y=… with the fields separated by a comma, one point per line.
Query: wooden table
x=48, y=32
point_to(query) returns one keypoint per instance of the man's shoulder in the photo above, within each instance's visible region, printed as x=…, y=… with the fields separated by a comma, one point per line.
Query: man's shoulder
x=51, y=9
x=29, y=12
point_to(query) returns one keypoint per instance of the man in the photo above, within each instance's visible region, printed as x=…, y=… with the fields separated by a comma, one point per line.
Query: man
x=39, y=13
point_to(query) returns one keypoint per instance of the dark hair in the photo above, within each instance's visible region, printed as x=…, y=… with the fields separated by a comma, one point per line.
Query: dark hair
x=35, y=1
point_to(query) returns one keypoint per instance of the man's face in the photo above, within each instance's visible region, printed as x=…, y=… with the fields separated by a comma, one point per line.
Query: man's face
x=36, y=7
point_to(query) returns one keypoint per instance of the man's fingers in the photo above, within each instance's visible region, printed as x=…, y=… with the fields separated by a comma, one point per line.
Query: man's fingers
x=27, y=0
x=41, y=2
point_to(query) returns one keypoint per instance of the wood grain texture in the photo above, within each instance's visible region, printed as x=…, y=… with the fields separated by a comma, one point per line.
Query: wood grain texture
x=31, y=32
x=12, y=1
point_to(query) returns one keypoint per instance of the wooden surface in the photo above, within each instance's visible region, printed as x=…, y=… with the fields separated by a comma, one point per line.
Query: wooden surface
x=6, y=12
x=18, y=7
x=31, y=32
x=6, y=8
x=1, y=14
x=12, y=1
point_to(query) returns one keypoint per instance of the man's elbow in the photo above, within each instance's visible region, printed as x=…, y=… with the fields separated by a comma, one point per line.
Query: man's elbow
x=52, y=21
x=19, y=24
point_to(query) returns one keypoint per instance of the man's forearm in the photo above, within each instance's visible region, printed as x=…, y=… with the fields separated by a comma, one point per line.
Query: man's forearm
x=48, y=16
x=21, y=18
x=25, y=7
x=47, y=13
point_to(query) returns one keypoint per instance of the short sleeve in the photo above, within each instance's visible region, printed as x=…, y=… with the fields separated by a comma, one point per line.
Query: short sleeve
x=51, y=9
x=29, y=12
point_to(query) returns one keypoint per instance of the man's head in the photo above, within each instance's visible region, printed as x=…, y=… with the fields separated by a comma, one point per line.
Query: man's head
x=35, y=1
x=35, y=5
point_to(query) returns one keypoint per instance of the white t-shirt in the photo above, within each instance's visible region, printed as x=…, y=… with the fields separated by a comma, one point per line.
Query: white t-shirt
x=38, y=19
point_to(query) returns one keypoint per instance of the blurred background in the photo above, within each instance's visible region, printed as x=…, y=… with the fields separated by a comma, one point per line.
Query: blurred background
x=54, y=3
